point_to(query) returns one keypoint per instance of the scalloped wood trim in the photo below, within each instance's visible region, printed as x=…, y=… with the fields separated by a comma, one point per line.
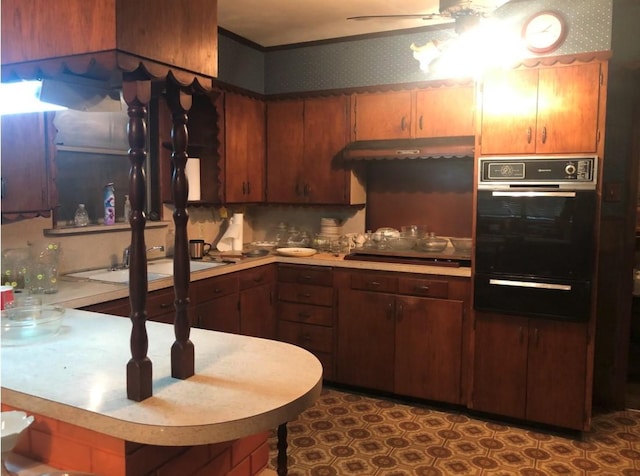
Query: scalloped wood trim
x=105, y=65
x=18, y=216
x=565, y=59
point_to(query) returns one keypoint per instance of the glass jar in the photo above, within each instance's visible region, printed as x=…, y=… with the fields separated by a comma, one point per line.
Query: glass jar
x=81, y=217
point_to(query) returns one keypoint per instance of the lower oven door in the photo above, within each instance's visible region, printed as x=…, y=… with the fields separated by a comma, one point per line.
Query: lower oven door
x=535, y=297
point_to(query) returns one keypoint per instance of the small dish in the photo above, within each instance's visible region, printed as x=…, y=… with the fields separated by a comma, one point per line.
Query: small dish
x=297, y=252
x=256, y=253
x=13, y=424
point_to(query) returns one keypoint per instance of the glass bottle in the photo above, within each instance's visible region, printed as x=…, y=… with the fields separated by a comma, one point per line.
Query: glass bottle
x=127, y=209
x=81, y=217
x=368, y=242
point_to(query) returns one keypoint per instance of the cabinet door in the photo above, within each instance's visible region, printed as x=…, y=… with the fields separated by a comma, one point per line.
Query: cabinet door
x=445, y=112
x=257, y=311
x=326, y=129
x=220, y=314
x=382, y=115
x=500, y=365
x=568, y=99
x=509, y=109
x=25, y=184
x=244, y=149
x=556, y=382
x=365, y=339
x=285, y=132
x=428, y=343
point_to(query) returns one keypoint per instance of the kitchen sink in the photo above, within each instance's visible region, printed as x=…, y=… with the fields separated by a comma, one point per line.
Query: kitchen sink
x=155, y=270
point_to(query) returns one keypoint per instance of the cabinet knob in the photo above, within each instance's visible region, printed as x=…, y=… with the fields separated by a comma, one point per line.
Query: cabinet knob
x=420, y=123
x=528, y=135
x=403, y=123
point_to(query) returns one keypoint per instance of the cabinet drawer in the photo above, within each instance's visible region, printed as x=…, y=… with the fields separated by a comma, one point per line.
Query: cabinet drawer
x=212, y=288
x=374, y=282
x=257, y=276
x=160, y=302
x=424, y=287
x=306, y=313
x=303, y=293
x=310, y=337
x=319, y=276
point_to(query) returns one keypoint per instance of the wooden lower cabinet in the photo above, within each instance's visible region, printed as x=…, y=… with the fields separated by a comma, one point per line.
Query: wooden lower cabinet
x=257, y=302
x=306, y=311
x=531, y=369
x=408, y=345
x=241, y=303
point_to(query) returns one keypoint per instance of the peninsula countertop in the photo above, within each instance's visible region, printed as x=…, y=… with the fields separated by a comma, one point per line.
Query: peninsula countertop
x=242, y=385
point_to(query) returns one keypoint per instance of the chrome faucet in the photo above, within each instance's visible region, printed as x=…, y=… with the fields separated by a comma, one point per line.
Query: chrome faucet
x=126, y=254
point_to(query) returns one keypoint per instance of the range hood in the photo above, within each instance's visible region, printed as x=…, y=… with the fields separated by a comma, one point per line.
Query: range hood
x=430, y=148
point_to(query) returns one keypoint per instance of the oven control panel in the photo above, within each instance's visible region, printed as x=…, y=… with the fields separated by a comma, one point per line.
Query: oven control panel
x=575, y=171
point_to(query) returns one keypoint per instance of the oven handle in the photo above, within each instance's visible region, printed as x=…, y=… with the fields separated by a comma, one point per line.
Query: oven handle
x=531, y=193
x=529, y=284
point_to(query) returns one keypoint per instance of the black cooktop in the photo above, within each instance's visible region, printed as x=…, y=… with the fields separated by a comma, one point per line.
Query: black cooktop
x=447, y=257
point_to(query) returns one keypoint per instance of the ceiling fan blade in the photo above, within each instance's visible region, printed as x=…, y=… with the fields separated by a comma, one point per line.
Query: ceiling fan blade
x=420, y=16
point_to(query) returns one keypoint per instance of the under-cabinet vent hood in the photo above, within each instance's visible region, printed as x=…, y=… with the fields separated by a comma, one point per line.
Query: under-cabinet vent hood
x=461, y=146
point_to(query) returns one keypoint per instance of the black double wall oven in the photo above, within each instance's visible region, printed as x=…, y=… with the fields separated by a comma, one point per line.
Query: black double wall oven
x=536, y=236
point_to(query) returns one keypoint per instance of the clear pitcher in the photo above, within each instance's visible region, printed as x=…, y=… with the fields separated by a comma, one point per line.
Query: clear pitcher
x=43, y=273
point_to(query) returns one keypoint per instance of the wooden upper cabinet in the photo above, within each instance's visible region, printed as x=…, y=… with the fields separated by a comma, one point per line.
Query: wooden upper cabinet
x=383, y=115
x=304, y=152
x=547, y=110
x=244, y=149
x=27, y=153
x=181, y=34
x=285, y=150
x=445, y=112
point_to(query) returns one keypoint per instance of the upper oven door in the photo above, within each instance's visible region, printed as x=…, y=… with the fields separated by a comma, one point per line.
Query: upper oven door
x=536, y=232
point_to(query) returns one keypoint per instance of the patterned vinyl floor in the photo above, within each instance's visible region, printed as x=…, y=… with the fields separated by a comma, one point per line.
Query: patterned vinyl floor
x=346, y=434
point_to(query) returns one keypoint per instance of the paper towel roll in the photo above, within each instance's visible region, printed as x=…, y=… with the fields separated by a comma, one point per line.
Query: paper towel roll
x=192, y=171
x=232, y=238
x=238, y=221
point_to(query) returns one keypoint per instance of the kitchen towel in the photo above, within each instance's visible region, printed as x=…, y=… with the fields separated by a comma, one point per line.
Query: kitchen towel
x=232, y=238
x=192, y=171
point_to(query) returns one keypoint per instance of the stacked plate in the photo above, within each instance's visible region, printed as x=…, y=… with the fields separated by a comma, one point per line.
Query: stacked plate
x=330, y=228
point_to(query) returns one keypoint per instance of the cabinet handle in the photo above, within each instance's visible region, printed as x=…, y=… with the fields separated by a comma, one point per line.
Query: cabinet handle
x=217, y=291
x=297, y=189
x=400, y=314
x=306, y=190
x=304, y=315
x=402, y=123
x=244, y=188
x=305, y=277
x=535, y=337
x=165, y=305
x=258, y=279
x=248, y=188
x=390, y=311
x=305, y=338
x=420, y=123
x=528, y=135
x=304, y=295
x=422, y=289
x=544, y=135
x=373, y=284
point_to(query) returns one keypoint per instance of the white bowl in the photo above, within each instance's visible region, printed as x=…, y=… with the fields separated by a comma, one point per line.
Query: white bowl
x=13, y=424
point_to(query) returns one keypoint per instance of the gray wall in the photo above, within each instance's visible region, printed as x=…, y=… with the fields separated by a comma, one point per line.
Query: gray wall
x=388, y=59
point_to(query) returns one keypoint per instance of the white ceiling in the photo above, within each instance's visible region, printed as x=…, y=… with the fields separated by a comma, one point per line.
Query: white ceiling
x=281, y=22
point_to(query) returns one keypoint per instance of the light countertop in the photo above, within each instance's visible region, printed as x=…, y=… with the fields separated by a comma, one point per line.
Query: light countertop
x=75, y=293
x=242, y=385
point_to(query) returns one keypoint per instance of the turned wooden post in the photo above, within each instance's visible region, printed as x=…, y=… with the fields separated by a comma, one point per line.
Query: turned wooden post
x=182, y=350
x=139, y=369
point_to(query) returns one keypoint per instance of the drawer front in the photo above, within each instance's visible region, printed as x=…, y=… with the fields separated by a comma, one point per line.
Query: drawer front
x=306, y=294
x=160, y=302
x=212, y=288
x=305, y=313
x=374, y=282
x=310, y=337
x=424, y=287
x=320, y=276
x=257, y=276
